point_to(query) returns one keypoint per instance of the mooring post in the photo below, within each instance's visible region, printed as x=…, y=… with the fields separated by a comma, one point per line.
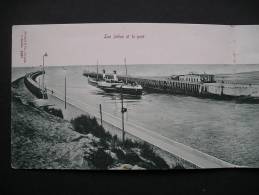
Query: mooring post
x=122, y=116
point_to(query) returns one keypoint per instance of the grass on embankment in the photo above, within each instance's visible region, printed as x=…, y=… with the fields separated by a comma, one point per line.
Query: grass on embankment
x=130, y=152
x=54, y=111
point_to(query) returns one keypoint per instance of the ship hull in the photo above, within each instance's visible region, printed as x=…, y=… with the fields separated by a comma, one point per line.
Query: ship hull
x=120, y=88
x=123, y=90
x=92, y=81
x=130, y=91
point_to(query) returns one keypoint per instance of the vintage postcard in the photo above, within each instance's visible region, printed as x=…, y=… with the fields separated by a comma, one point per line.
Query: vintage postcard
x=131, y=96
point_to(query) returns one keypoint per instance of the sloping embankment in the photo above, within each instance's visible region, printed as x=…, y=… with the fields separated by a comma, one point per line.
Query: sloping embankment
x=40, y=140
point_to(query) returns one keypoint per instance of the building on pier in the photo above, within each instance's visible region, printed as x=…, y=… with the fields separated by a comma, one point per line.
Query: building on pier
x=195, y=78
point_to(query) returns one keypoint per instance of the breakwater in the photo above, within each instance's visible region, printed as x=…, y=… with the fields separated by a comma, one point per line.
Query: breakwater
x=33, y=86
x=218, y=90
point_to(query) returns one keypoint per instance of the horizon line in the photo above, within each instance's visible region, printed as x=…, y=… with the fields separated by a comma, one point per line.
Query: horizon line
x=13, y=66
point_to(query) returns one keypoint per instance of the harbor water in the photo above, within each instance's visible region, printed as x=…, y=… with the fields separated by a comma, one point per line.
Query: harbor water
x=224, y=129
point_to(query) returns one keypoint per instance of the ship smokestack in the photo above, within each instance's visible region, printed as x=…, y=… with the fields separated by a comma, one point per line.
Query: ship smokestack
x=115, y=75
x=104, y=74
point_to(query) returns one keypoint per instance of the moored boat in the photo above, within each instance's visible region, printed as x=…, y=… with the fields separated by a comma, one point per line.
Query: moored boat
x=92, y=81
x=109, y=85
x=132, y=89
x=129, y=88
x=114, y=85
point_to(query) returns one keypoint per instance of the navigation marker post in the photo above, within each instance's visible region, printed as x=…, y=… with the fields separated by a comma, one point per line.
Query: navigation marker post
x=97, y=75
x=126, y=70
x=65, y=73
x=101, y=114
x=40, y=78
x=65, y=92
x=43, y=78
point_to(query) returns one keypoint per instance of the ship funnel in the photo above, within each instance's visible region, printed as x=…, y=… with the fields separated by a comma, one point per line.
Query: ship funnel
x=104, y=74
x=115, y=75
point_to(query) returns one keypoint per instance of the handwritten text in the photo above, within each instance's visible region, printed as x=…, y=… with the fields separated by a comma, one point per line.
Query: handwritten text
x=123, y=36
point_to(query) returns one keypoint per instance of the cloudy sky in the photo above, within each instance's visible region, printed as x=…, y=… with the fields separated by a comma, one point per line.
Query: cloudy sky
x=83, y=44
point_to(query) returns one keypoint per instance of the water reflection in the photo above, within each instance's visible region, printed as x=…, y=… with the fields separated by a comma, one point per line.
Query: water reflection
x=114, y=95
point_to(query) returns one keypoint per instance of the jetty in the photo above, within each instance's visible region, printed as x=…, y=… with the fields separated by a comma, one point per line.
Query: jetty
x=216, y=90
x=33, y=86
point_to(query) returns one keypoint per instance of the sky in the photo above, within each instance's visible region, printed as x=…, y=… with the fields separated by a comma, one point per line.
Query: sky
x=84, y=44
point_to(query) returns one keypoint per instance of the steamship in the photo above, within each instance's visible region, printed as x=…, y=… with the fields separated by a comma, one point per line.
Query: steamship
x=114, y=85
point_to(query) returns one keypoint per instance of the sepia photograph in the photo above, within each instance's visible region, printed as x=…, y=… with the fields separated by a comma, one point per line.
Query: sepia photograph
x=134, y=96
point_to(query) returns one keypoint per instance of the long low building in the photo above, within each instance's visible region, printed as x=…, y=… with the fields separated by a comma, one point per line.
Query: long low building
x=205, y=78
x=232, y=89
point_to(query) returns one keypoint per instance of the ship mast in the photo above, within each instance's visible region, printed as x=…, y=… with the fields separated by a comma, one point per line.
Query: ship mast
x=126, y=70
x=97, y=71
x=234, y=54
